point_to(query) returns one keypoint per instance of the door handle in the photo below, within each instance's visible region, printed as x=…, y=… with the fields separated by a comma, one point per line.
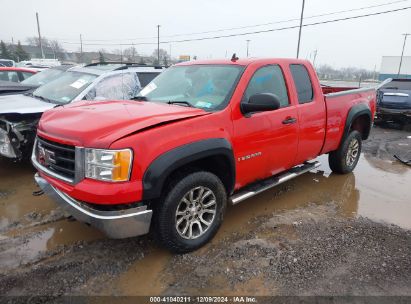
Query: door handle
x=289, y=121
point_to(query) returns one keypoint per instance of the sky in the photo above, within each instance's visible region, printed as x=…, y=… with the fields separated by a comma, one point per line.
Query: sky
x=356, y=43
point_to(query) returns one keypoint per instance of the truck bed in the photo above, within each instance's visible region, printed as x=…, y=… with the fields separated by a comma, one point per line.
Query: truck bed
x=338, y=102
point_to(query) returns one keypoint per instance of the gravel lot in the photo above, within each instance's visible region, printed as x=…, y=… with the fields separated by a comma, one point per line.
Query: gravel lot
x=320, y=234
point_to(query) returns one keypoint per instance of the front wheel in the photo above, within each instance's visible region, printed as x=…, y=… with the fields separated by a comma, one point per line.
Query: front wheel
x=345, y=159
x=191, y=212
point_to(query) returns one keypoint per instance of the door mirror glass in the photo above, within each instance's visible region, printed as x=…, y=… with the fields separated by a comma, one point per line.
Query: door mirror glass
x=261, y=102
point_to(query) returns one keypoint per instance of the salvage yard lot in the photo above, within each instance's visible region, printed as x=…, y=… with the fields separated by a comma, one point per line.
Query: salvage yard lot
x=320, y=234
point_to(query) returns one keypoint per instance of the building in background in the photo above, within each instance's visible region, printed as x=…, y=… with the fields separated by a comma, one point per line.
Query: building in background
x=390, y=65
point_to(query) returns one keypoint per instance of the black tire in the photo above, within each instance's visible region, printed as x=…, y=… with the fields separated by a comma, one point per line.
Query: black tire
x=171, y=236
x=339, y=160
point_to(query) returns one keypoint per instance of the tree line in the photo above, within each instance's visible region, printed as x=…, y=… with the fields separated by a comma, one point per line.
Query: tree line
x=13, y=52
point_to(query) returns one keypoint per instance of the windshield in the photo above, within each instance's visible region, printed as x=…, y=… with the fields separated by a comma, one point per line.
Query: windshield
x=42, y=77
x=201, y=86
x=65, y=88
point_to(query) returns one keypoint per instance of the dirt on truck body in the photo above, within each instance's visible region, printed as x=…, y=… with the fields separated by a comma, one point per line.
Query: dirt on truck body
x=319, y=234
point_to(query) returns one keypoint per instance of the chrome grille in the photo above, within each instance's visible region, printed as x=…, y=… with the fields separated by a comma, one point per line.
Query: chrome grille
x=57, y=158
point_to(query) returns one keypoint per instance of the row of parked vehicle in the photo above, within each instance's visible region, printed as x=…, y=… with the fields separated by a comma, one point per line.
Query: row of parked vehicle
x=22, y=105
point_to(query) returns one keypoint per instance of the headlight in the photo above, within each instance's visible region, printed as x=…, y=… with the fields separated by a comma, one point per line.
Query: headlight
x=108, y=165
x=6, y=148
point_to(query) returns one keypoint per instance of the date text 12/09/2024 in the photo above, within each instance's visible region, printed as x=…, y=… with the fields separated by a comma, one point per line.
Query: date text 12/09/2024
x=200, y=299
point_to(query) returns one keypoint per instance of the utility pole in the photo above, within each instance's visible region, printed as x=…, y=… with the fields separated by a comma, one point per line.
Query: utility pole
x=402, y=54
x=301, y=26
x=81, y=48
x=315, y=57
x=38, y=29
x=158, y=44
x=248, y=45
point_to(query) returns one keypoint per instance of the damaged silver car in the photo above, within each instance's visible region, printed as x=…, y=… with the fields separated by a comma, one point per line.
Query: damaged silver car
x=19, y=114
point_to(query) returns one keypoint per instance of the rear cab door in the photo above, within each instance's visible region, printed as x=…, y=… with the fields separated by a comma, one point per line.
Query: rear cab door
x=311, y=110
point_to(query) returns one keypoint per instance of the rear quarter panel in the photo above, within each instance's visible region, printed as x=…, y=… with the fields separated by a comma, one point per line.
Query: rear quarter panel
x=338, y=107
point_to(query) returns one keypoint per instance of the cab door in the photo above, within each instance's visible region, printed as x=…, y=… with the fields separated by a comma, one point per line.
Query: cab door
x=311, y=112
x=266, y=142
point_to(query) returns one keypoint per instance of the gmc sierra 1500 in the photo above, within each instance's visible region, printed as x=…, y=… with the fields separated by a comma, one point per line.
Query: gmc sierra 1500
x=199, y=136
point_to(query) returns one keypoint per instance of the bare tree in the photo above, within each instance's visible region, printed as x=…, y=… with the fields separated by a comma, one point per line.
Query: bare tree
x=130, y=53
x=164, y=57
x=34, y=41
x=58, y=50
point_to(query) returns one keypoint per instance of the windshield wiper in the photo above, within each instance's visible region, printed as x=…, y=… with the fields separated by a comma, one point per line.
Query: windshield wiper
x=42, y=98
x=182, y=102
x=139, y=98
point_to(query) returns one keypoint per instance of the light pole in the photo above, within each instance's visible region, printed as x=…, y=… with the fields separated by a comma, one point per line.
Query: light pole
x=81, y=48
x=301, y=26
x=248, y=44
x=38, y=29
x=158, y=44
x=402, y=54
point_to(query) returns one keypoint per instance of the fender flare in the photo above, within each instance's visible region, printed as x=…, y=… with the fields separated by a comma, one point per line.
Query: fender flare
x=158, y=171
x=356, y=111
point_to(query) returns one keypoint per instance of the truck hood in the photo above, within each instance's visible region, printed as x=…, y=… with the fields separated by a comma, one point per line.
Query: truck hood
x=23, y=104
x=98, y=124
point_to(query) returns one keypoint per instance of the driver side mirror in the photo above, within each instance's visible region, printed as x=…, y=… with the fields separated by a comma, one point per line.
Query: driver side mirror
x=261, y=102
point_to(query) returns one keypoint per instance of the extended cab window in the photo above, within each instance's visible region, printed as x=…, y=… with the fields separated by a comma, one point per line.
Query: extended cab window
x=302, y=82
x=268, y=79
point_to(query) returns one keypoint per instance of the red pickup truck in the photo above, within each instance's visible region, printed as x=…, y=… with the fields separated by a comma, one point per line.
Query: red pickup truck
x=200, y=136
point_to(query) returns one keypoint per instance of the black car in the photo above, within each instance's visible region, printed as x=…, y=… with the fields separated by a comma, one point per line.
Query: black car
x=33, y=82
x=394, y=101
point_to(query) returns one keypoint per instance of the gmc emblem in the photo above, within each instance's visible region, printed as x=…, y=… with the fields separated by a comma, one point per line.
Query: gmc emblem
x=45, y=157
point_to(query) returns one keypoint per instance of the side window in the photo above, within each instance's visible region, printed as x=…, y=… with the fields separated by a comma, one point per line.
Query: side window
x=115, y=87
x=26, y=75
x=4, y=76
x=302, y=82
x=269, y=79
x=9, y=76
x=145, y=78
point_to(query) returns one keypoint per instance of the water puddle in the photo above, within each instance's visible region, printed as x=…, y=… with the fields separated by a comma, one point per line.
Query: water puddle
x=28, y=245
x=16, y=199
x=385, y=194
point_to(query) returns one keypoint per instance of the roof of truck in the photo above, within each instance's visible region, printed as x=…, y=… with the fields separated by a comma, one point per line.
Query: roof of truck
x=243, y=61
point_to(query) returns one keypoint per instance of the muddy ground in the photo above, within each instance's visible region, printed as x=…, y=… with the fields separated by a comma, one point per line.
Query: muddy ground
x=319, y=234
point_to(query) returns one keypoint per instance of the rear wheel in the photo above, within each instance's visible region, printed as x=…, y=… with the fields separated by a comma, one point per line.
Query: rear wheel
x=345, y=159
x=191, y=212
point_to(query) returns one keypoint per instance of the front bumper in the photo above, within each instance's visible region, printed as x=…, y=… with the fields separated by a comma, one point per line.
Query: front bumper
x=115, y=224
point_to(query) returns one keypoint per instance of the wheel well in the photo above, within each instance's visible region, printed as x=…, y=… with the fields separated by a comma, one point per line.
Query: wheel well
x=362, y=124
x=216, y=164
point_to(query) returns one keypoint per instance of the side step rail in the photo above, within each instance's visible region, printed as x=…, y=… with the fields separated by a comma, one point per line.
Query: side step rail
x=271, y=182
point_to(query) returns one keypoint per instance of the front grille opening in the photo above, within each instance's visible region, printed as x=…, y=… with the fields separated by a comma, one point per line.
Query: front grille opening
x=58, y=158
